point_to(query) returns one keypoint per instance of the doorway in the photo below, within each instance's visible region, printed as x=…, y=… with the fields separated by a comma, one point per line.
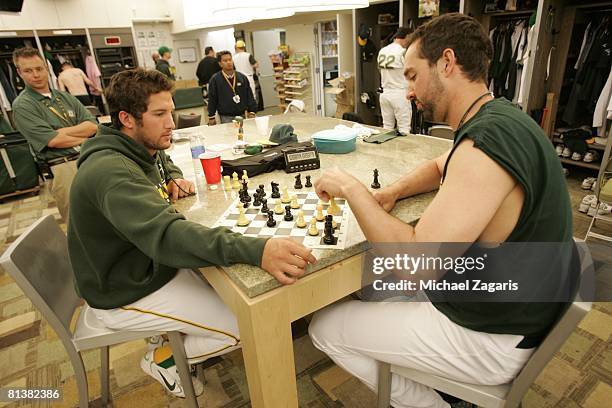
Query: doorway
x=264, y=42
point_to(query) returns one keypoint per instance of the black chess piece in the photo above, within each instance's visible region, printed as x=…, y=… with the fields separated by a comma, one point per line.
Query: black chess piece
x=245, y=196
x=256, y=199
x=288, y=215
x=375, y=183
x=275, y=192
x=271, y=221
x=261, y=190
x=298, y=182
x=264, y=206
x=328, y=231
x=308, y=183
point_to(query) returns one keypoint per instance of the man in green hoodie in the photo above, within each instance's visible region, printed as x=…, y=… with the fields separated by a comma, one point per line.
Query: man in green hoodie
x=131, y=250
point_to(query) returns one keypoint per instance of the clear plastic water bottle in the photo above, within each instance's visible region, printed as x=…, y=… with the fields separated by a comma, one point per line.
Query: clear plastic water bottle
x=196, y=143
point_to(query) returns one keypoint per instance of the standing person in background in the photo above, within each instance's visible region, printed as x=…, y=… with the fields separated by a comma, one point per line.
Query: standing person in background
x=246, y=64
x=163, y=64
x=73, y=80
x=393, y=105
x=207, y=67
x=155, y=57
x=229, y=92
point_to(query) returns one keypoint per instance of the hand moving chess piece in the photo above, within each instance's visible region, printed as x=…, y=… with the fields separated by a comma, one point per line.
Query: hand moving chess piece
x=271, y=221
x=300, y=223
x=278, y=209
x=333, y=208
x=294, y=203
x=288, y=215
x=235, y=182
x=320, y=216
x=227, y=183
x=285, y=199
x=243, y=221
x=375, y=183
x=298, y=182
x=312, y=230
x=308, y=183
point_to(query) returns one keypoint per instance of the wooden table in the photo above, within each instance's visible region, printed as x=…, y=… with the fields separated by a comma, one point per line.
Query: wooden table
x=264, y=309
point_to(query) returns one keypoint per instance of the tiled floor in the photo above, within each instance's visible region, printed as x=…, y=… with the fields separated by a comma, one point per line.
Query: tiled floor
x=31, y=355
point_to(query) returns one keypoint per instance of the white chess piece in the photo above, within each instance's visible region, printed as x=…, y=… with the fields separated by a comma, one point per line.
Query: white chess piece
x=235, y=182
x=285, y=199
x=278, y=209
x=294, y=203
x=243, y=221
x=312, y=230
x=333, y=208
x=301, y=223
x=227, y=183
x=320, y=216
x=245, y=177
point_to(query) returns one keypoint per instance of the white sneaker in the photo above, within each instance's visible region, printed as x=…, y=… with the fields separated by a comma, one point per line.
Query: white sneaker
x=604, y=209
x=590, y=156
x=587, y=183
x=559, y=149
x=592, y=208
x=566, y=152
x=586, y=202
x=154, y=342
x=576, y=156
x=168, y=377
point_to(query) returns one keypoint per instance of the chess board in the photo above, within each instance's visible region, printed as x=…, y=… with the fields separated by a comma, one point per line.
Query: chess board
x=308, y=202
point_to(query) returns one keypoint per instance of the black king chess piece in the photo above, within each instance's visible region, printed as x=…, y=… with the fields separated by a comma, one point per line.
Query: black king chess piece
x=375, y=183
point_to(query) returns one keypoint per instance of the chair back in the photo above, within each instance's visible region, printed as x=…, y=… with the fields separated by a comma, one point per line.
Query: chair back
x=564, y=327
x=38, y=261
x=442, y=131
x=93, y=110
x=186, y=121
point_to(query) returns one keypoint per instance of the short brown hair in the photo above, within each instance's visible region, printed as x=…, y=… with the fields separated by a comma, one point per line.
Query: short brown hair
x=461, y=33
x=25, y=52
x=130, y=90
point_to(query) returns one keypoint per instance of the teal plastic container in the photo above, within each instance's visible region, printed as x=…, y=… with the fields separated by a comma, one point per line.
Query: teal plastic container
x=335, y=141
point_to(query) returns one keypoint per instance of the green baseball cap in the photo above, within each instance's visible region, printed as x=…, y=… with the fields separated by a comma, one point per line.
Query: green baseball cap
x=163, y=49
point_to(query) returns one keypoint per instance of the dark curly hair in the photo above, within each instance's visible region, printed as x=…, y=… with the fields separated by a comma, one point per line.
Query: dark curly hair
x=464, y=35
x=129, y=91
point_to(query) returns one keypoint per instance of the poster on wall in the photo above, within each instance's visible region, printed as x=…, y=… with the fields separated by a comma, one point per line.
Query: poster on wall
x=429, y=8
x=152, y=39
x=187, y=54
x=141, y=39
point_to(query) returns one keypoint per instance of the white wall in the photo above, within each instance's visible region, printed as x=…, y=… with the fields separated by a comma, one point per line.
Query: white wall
x=53, y=14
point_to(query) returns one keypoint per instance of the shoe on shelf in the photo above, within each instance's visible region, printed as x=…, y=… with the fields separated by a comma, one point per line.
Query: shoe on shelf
x=594, y=186
x=154, y=342
x=559, y=149
x=592, y=208
x=586, y=203
x=567, y=153
x=576, y=156
x=604, y=209
x=167, y=374
x=591, y=156
x=587, y=183
x=565, y=171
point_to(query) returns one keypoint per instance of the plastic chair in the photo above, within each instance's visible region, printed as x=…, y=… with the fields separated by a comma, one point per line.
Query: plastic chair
x=442, y=131
x=38, y=261
x=496, y=396
x=93, y=110
x=186, y=121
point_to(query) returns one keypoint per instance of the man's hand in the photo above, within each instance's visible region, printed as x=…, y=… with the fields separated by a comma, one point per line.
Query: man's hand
x=285, y=259
x=386, y=198
x=186, y=188
x=335, y=182
x=212, y=121
x=251, y=115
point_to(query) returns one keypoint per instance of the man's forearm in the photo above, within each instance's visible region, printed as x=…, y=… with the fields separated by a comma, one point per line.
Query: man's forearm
x=423, y=179
x=62, y=141
x=82, y=130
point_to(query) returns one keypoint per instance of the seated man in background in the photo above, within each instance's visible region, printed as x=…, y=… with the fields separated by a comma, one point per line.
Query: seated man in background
x=500, y=182
x=229, y=92
x=73, y=80
x=131, y=251
x=54, y=122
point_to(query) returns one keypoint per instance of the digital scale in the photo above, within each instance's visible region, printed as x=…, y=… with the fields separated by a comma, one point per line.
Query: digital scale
x=301, y=159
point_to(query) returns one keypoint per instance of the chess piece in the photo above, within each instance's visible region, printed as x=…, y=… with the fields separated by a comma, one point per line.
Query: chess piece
x=312, y=230
x=300, y=223
x=245, y=176
x=271, y=221
x=261, y=191
x=333, y=208
x=235, y=182
x=227, y=183
x=275, y=192
x=330, y=218
x=256, y=199
x=244, y=198
x=278, y=209
x=288, y=215
x=264, y=206
x=294, y=202
x=308, y=183
x=320, y=216
x=298, y=182
x=328, y=234
x=243, y=221
x=375, y=183
x=285, y=199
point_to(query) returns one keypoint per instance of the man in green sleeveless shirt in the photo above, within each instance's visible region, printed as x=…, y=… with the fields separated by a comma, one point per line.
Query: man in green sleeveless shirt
x=501, y=182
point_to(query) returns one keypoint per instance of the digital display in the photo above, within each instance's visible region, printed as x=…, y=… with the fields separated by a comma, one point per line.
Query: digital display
x=307, y=155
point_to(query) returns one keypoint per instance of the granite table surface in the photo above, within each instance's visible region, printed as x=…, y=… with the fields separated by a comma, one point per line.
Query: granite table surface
x=392, y=159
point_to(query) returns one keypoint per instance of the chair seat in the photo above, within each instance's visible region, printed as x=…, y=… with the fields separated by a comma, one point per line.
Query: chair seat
x=489, y=396
x=90, y=332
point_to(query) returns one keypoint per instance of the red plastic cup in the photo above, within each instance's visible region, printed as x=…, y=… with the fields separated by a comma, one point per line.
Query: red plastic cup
x=211, y=163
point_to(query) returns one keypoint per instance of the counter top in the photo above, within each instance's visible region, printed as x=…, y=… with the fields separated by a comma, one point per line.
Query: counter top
x=392, y=159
